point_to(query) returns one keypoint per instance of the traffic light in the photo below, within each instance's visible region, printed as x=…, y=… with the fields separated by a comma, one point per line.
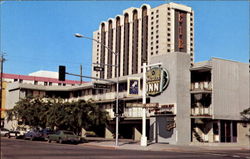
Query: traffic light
x=62, y=71
x=120, y=106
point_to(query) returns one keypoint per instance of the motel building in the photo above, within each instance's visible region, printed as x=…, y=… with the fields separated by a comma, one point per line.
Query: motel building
x=187, y=102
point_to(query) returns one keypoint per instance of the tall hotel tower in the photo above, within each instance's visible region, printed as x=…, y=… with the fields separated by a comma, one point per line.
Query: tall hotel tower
x=141, y=33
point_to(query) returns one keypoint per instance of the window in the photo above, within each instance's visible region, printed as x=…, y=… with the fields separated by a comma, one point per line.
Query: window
x=152, y=43
x=59, y=84
x=35, y=82
x=152, y=33
x=20, y=81
x=169, y=19
x=191, y=24
x=168, y=13
x=157, y=36
x=168, y=45
x=152, y=18
x=157, y=46
x=50, y=83
x=168, y=29
x=168, y=50
x=191, y=54
x=15, y=80
x=157, y=26
x=168, y=34
x=191, y=49
x=157, y=16
x=152, y=23
x=152, y=13
x=157, y=21
x=157, y=11
x=152, y=28
x=191, y=29
x=168, y=8
x=157, y=31
x=156, y=52
x=45, y=83
x=157, y=41
x=152, y=48
x=168, y=39
x=64, y=84
x=169, y=24
x=151, y=53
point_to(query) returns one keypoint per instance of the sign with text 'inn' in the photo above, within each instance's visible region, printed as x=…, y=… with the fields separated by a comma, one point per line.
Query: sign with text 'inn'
x=157, y=80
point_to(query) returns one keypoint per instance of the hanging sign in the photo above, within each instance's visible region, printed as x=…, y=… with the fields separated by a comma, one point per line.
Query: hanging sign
x=157, y=80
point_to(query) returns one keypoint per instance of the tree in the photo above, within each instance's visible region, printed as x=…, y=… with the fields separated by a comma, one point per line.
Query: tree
x=54, y=112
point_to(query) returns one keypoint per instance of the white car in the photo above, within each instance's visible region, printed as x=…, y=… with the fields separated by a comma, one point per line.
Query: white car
x=4, y=132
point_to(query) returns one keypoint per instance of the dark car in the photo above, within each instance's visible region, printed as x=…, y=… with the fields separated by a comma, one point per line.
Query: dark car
x=46, y=133
x=64, y=136
x=33, y=135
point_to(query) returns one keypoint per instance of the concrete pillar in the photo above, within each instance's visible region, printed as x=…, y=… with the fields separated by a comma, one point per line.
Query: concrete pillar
x=137, y=134
x=83, y=132
x=219, y=127
x=231, y=131
x=108, y=133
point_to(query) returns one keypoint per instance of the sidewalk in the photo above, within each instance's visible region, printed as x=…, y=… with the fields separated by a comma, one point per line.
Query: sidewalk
x=135, y=145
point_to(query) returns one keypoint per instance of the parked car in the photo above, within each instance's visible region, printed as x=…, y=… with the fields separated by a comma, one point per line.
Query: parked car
x=33, y=135
x=4, y=131
x=14, y=133
x=62, y=136
x=46, y=132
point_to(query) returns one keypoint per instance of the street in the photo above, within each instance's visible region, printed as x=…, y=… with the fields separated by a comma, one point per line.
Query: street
x=25, y=149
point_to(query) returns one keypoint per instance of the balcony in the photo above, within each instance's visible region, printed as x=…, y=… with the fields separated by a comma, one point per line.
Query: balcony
x=201, y=86
x=201, y=110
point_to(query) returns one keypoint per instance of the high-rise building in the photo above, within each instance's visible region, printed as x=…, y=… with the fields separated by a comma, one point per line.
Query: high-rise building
x=140, y=33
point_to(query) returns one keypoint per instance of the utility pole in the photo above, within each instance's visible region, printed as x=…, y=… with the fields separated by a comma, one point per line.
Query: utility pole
x=2, y=59
x=81, y=74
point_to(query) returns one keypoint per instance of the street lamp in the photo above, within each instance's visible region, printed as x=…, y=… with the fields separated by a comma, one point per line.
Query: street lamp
x=117, y=78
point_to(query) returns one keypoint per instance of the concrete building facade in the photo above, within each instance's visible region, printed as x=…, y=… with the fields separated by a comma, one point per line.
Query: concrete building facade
x=141, y=33
x=43, y=78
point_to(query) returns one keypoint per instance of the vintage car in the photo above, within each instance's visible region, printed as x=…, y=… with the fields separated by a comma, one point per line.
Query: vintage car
x=4, y=132
x=33, y=135
x=62, y=136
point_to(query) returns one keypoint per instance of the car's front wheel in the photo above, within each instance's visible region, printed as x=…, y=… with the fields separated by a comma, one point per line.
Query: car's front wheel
x=60, y=141
x=32, y=138
x=49, y=141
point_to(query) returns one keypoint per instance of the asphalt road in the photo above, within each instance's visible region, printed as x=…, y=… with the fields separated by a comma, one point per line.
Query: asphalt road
x=25, y=149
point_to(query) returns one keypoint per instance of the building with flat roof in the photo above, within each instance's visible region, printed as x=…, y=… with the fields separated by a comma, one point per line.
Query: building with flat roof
x=141, y=33
x=201, y=104
x=45, y=79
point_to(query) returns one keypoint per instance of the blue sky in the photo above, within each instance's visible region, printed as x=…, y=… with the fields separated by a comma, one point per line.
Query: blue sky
x=38, y=35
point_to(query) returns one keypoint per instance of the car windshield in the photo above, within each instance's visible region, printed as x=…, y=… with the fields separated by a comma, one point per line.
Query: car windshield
x=68, y=133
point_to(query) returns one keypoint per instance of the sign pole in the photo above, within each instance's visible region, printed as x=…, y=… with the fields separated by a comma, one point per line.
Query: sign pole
x=144, y=137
